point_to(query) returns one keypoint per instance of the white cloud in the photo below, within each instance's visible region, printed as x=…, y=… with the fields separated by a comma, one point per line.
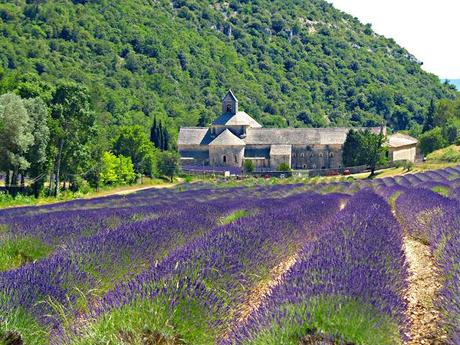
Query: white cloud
x=428, y=29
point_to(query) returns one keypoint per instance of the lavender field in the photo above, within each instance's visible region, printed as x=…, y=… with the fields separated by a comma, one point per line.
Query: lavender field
x=337, y=263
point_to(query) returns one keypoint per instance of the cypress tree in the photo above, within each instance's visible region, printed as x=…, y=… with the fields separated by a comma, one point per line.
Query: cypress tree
x=160, y=137
x=166, y=139
x=153, y=132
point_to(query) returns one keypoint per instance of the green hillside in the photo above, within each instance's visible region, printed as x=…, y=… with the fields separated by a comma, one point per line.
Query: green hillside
x=290, y=62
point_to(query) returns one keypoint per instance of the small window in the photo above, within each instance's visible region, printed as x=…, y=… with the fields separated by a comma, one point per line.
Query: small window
x=236, y=159
x=331, y=155
x=293, y=154
x=314, y=166
x=301, y=155
x=321, y=155
x=305, y=166
x=224, y=159
x=229, y=108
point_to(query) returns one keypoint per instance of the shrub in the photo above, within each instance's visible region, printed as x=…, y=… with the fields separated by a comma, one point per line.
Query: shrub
x=432, y=140
x=168, y=164
x=284, y=167
x=249, y=166
x=450, y=154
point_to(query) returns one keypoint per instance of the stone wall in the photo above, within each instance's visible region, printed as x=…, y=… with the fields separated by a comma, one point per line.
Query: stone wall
x=277, y=160
x=403, y=153
x=316, y=156
x=194, y=154
x=226, y=156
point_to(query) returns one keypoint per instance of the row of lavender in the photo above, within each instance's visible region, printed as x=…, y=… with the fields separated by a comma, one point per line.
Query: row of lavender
x=349, y=283
x=445, y=181
x=212, y=274
x=104, y=244
x=435, y=220
x=165, y=251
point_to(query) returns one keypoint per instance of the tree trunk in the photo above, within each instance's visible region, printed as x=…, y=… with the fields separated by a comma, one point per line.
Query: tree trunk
x=58, y=169
x=14, y=183
x=7, y=181
x=23, y=182
x=50, y=184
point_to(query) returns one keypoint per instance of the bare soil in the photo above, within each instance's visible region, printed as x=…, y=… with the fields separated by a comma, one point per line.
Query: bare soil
x=320, y=339
x=424, y=285
x=257, y=295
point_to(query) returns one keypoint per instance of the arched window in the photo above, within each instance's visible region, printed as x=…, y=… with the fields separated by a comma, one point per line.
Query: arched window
x=331, y=155
x=301, y=155
x=224, y=159
x=229, y=108
x=293, y=154
x=236, y=159
x=321, y=155
x=305, y=166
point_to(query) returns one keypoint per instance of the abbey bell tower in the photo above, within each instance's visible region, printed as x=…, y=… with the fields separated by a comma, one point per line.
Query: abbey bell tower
x=229, y=103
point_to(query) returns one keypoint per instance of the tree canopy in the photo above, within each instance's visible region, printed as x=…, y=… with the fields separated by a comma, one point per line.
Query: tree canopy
x=308, y=65
x=364, y=148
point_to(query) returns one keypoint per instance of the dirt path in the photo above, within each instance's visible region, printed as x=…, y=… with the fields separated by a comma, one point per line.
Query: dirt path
x=138, y=189
x=424, y=283
x=257, y=295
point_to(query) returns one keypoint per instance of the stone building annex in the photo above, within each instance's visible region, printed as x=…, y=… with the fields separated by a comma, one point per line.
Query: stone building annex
x=235, y=137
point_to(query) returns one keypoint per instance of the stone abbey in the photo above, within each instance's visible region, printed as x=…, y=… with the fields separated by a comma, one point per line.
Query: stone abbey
x=235, y=137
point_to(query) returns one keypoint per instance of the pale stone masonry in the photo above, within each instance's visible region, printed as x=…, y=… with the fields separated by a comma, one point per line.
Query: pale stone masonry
x=235, y=137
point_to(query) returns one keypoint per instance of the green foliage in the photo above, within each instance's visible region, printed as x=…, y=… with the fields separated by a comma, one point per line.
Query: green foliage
x=159, y=135
x=19, y=323
x=284, y=167
x=447, y=116
x=450, y=154
x=364, y=148
x=234, y=216
x=185, y=323
x=405, y=164
x=249, y=166
x=432, y=140
x=444, y=191
x=15, y=134
x=429, y=121
x=37, y=155
x=351, y=155
x=308, y=65
x=17, y=252
x=168, y=164
x=133, y=142
x=72, y=127
x=117, y=170
x=345, y=318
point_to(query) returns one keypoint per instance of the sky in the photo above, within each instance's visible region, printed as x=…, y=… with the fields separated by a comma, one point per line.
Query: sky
x=428, y=29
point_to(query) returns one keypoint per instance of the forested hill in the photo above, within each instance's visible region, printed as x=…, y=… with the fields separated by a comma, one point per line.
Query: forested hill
x=290, y=62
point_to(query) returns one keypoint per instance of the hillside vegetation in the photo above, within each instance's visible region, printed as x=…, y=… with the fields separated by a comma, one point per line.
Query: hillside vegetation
x=291, y=63
x=450, y=154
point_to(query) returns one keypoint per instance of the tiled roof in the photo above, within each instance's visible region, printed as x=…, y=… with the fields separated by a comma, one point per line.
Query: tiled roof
x=400, y=139
x=194, y=136
x=298, y=136
x=230, y=92
x=270, y=136
x=238, y=119
x=227, y=138
x=280, y=150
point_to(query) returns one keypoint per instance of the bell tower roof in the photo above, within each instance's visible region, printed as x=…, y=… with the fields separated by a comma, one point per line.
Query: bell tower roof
x=229, y=103
x=231, y=95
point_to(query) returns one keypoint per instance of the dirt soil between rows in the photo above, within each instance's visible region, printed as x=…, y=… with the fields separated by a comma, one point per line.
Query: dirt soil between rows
x=424, y=285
